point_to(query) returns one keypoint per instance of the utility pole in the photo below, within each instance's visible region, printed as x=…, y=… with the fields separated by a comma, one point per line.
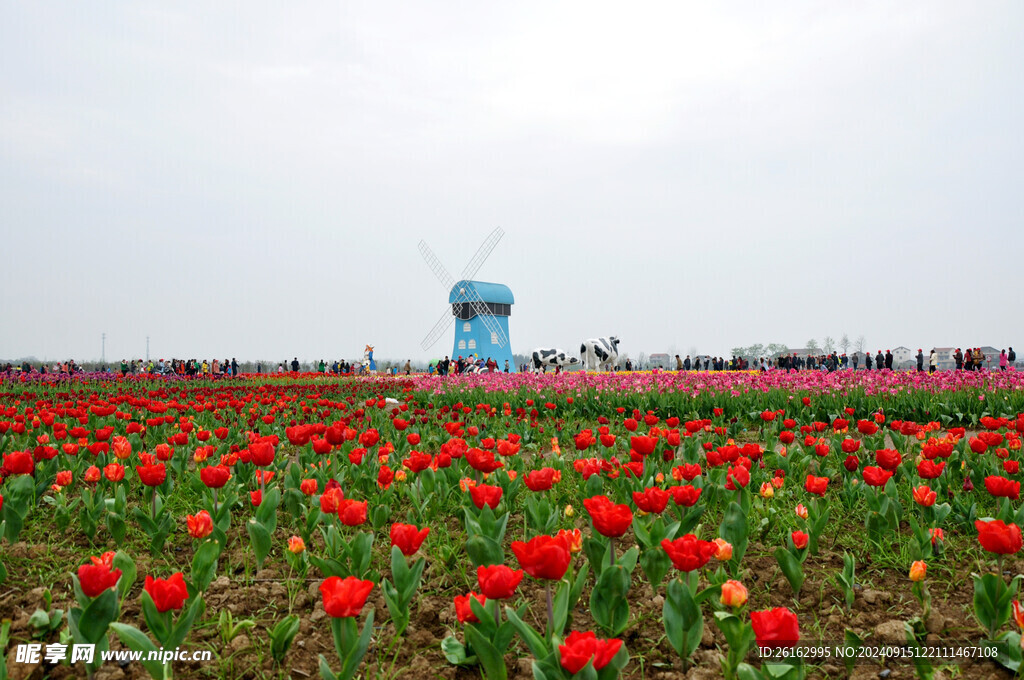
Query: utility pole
x=147, y=348
x=103, y=352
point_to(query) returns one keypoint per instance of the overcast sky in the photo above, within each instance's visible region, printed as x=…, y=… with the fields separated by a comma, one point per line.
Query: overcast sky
x=251, y=179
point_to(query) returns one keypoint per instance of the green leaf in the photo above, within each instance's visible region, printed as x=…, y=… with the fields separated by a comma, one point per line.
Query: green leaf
x=179, y=631
x=684, y=623
x=325, y=670
x=484, y=551
x=204, y=564
x=791, y=568
x=734, y=529
x=133, y=638
x=455, y=652
x=608, y=603
x=260, y=541
x=491, y=660
x=282, y=635
x=98, y=615
x=533, y=640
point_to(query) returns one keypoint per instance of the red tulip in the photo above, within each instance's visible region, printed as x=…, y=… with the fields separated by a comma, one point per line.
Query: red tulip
x=114, y=472
x=651, y=499
x=344, y=597
x=686, y=496
x=850, y=445
x=998, y=537
x=17, y=463
x=816, y=485
x=200, y=525
x=924, y=496
x=737, y=477
x=418, y=461
x=689, y=553
x=407, y=537
x=330, y=499
x=352, y=513
x=876, y=476
x=498, y=582
x=168, y=593
x=369, y=438
x=866, y=427
x=610, y=519
x=800, y=540
x=580, y=648
x=540, y=480
x=152, y=475
x=775, y=627
x=215, y=476
x=483, y=461
x=888, y=459
x=261, y=453
x=644, y=445
x=464, y=609
x=928, y=469
x=1001, y=487
x=97, y=576
x=308, y=486
x=485, y=494
x=543, y=557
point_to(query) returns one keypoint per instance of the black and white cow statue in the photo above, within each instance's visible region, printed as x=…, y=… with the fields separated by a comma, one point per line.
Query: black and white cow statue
x=544, y=357
x=599, y=352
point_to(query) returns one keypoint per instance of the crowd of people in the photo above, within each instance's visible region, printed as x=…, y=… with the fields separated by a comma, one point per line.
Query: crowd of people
x=973, y=359
x=470, y=364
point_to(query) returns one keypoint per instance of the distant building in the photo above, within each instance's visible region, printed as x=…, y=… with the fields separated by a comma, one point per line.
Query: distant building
x=904, y=357
x=660, y=360
x=946, y=360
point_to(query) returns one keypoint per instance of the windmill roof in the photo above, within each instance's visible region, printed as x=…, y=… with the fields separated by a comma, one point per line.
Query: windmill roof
x=489, y=292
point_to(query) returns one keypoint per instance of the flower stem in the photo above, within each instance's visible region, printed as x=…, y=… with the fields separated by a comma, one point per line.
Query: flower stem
x=611, y=551
x=551, y=610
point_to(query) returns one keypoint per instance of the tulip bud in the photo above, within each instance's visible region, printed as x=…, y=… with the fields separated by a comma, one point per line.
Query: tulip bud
x=801, y=511
x=569, y=512
x=296, y=545
x=734, y=594
x=723, y=550
x=918, y=570
x=766, y=490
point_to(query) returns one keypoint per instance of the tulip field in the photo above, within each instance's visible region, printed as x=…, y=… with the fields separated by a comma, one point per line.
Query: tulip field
x=630, y=525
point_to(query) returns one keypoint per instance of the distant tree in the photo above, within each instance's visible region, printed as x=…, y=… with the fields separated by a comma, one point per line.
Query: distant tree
x=738, y=351
x=812, y=345
x=642, y=358
x=844, y=343
x=773, y=349
x=693, y=351
x=860, y=344
x=756, y=350
x=828, y=344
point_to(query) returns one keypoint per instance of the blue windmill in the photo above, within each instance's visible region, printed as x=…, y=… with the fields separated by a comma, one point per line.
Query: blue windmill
x=481, y=309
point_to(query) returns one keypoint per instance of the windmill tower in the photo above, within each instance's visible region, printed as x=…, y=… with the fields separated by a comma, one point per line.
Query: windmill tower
x=479, y=309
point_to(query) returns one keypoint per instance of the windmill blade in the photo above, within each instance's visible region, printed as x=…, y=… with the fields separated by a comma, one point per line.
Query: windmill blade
x=492, y=325
x=442, y=325
x=480, y=309
x=481, y=254
x=435, y=266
